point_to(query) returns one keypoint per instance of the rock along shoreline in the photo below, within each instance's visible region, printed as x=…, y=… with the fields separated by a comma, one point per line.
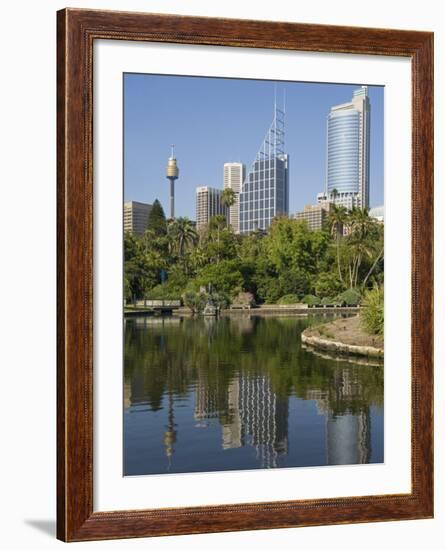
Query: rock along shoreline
x=316, y=337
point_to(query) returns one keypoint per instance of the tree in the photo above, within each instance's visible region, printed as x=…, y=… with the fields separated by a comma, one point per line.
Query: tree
x=228, y=199
x=156, y=220
x=183, y=235
x=334, y=193
x=224, y=277
x=360, y=222
x=220, y=241
x=338, y=216
x=327, y=284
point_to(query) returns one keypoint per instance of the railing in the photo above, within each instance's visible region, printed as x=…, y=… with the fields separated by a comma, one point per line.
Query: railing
x=157, y=303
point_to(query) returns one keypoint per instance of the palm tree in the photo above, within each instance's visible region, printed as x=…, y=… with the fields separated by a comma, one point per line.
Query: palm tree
x=361, y=222
x=217, y=223
x=360, y=248
x=228, y=199
x=338, y=216
x=334, y=193
x=183, y=234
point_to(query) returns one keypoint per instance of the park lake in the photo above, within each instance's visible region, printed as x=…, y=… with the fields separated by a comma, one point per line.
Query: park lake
x=240, y=392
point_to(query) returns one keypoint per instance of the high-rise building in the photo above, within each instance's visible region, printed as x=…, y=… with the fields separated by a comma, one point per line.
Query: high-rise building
x=136, y=217
x=265, y=191
x=348, y=128
x=208, y=204
x=233, y=179
x=314, y=215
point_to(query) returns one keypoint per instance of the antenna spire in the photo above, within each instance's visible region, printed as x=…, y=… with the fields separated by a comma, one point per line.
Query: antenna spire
x=275, y=98
x=173, y=150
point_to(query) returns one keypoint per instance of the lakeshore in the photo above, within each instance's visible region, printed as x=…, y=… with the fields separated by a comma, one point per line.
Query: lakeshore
x=344, y=336
x=266, y=309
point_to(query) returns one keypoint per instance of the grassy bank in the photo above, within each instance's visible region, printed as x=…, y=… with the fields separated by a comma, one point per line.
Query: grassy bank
x=344, y=336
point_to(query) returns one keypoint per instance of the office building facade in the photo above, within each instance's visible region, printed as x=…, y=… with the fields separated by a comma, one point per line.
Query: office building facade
x=315, y=215
x=208, y=204
x=234, y=173
x=348, y=149
x=265, y=191
x=136, y=217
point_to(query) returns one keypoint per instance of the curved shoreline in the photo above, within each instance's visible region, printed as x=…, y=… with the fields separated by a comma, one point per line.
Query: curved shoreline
x=311, y=337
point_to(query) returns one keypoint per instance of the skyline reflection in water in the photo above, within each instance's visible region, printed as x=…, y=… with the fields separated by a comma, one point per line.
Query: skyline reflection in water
x=240, y=392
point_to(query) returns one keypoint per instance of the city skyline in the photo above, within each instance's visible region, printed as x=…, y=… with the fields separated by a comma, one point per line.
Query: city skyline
x=186, y=109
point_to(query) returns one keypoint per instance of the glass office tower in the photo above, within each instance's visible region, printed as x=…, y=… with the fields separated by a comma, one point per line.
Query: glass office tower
x=265, y=191
x=348, y=151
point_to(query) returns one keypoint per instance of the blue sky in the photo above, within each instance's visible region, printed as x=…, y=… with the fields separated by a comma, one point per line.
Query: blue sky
x=216, y=120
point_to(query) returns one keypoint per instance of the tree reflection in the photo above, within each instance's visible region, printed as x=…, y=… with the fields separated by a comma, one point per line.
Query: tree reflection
x=242, y=371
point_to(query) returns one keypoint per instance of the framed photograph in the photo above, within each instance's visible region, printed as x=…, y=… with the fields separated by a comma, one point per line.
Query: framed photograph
x=245, y=230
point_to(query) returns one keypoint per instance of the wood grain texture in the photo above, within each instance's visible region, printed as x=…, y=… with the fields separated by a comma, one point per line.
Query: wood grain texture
x=76, y=31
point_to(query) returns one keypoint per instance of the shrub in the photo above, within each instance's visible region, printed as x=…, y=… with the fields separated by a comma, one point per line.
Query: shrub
x=327, y=285
x=372, y=314
x=349, y=297
x=220, y=299
x=311, y=300
x=163, y=292
x=288, y=299
x=327, y=301
x=195, y=301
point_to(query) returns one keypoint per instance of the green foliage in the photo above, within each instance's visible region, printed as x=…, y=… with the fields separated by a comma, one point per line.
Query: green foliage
x=349, y=297
x=171, y=257
x=127, y=288
x=156, y=220
x=311, y=300
x=221, y=300
x=224, y=276
x=164, y=291
x=328, y=284
x=372, y=313
x=195, y=301
x=289, y=299
x=182, y=235
x=228, y=197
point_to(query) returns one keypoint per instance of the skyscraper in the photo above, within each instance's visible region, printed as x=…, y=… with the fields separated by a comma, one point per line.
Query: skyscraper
x=233, y=179
x=208, y=204
x=136, y=217
x=348, y=128
x=265, y=191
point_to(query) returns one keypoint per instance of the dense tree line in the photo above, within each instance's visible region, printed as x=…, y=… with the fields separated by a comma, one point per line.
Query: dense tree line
x=287, y=263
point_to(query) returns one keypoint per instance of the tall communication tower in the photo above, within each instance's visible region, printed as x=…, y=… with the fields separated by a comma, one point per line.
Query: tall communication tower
x=172, y=175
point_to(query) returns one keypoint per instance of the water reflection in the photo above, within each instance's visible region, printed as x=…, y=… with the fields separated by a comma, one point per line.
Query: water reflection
x=241, y=393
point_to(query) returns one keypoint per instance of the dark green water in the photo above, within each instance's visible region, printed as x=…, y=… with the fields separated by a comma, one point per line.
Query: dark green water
x=240, y=393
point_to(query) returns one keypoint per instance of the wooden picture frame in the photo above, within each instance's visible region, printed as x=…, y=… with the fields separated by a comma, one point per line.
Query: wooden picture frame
x=77, y=31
